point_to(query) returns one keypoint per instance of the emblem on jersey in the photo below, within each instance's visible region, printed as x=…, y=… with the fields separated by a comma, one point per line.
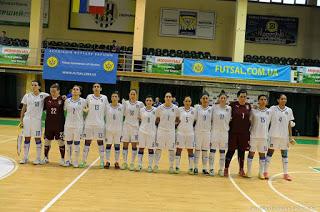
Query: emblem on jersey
x=101, y=100
x=52, y=62
x=153, y=113
x=119, y=109
x=227, y=110
x=137, y=106
x=267, y=112
x=198, y=67
x=79, y=103
x=286, y=113
x=247, y=107
x=41, y=96
x=108, y=66
x=59, y=102
x=172, y=110
x=192, y=112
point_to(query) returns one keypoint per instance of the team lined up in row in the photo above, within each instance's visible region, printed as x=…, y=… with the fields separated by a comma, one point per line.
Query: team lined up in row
x=200, y=129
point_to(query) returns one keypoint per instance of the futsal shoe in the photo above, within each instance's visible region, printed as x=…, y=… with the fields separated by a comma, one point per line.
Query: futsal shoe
x=171, y=171
x=205, y=172
x=149, y=169
x=45, y=160
x=261, y=176
x=211, y=172
x=139, y=168
x=37, y=162
x=61, y=162
x=107, y=166
x=67, y=164
x=83, y=165
x=220, y=173
x=287, y=177
x=226, y=172
x=116, y=165
x=75, y=164
x=124, y=166
x=101, y=164
x=248, y=175
x=195, y=171
x=242, y=173
x=190, y=171
x=156, y=169
x=23, y=161
x=177, y=170
x=131, y=167
x=266, y=175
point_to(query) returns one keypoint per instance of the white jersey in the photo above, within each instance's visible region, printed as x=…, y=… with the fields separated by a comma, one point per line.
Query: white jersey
x=34, y=105
x=260, y=121
x=280, y=121
x=221, y=117
x=74, y=108
x=148, y=120
x=187, y=118
x=167, y=117
x=97, y=107
x=203, y=118
x=131, y=112
x=114, y=118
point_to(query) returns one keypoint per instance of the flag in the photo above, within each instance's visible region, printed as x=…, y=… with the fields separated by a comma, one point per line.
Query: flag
x=97, y=6
x=80, y=6
x=75, y=6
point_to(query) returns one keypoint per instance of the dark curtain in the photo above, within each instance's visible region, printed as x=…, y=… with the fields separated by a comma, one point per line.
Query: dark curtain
x=178, y=91
x=305, y=110
x=8, y=94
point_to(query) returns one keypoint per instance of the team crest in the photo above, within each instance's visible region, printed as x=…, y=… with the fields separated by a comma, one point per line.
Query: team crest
x=227, y=109
x=153, y=113
x=119, y=109
x=41, y=96
x=247, y=107
x=286, y=113
x=267, y=112
x=59, y=102
x=172, y=110
x=137, y=106
x=192, y=112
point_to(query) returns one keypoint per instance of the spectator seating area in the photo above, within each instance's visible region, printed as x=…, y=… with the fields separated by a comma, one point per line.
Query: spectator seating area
x=161, y=52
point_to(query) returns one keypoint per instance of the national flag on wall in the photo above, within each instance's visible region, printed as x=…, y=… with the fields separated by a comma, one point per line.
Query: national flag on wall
x=79, y=6
x=97, y=6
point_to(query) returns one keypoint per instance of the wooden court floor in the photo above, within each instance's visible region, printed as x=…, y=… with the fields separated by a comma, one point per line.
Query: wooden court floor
x=54, y=188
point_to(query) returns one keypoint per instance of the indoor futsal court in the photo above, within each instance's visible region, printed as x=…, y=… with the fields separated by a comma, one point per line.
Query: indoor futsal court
x=55, y=188
x=159, y=105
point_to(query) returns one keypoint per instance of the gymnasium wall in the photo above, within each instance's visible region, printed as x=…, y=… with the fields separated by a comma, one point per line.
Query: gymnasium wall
x=308, y=43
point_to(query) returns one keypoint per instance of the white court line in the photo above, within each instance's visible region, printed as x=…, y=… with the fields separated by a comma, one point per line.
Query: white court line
x=313, y=169
x=309, y=158
x=11, y=171
x=243, y=193
x=45, y=208
x=284, y=196
x=7, y=140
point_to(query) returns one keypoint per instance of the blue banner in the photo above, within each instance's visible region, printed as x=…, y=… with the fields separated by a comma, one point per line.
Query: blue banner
x=248, y=71
x=81, y=66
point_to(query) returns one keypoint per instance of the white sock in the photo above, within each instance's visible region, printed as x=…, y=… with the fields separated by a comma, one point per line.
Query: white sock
x=261, y=165
x=196, y=158
x=171, y=158
x=108, y=154
x=85, y=153
x=117, y=155
x=178, y=159
x=150, y=159
x=204, y=159
x=285, y=165
x=267, y=163
x=125, y=155
x=222, y=160
x=69, y=151
x=211, y=159
x=157, y=157
x=140, y=156
x=26, y=148
x=191, y=160
x=133, y=155
x=101, y=152
x=39, y=147
x=76, y=152
x=249, y=164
